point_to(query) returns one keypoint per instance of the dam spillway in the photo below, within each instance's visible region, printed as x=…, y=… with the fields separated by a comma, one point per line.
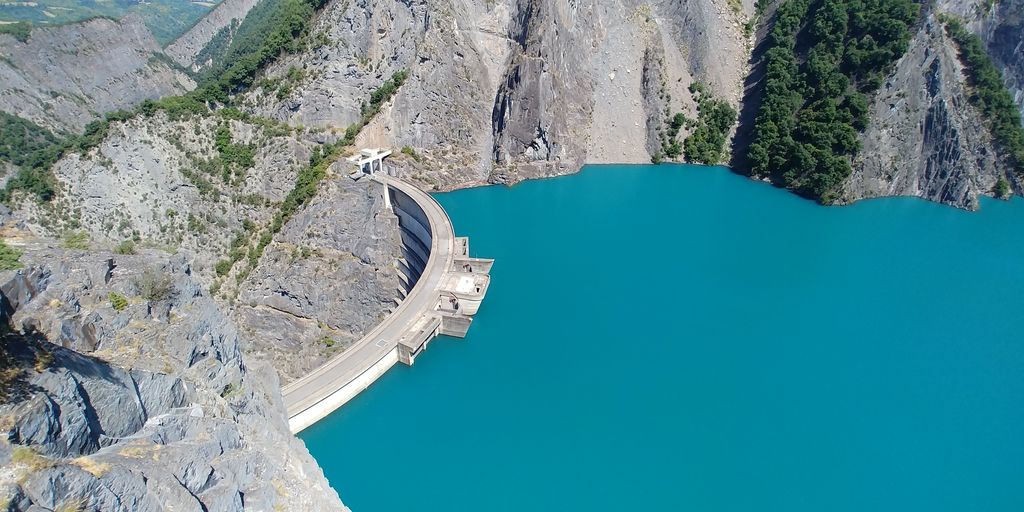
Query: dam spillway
x=442, y=288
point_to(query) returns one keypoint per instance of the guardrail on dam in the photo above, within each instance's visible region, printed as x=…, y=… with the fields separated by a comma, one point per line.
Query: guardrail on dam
x=443, y=288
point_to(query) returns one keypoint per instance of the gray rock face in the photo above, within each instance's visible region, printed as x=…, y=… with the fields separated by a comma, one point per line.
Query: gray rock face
x=500, y=91
x=145, y=182
x=329, y=277
x=185, y=48
x=68, y=75
x=165, y=409
x=924, y=138
x=1001, y=26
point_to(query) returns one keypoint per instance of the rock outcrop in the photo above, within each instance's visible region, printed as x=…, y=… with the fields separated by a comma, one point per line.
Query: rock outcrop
x=66, y=76
x=162, y=183
x=329, y=278
x=127, y=390
x=924, y=138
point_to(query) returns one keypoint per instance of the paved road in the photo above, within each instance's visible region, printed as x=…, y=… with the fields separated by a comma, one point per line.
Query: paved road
x=343, y=368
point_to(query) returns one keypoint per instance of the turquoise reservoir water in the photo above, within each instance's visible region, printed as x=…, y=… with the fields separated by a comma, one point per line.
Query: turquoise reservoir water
x=681, y=338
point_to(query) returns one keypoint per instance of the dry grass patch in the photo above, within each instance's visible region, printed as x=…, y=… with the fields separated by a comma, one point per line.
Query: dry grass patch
x=30, y=462
x=92, y=466
x=140, y=451
x=71, y=505
x=44, y=358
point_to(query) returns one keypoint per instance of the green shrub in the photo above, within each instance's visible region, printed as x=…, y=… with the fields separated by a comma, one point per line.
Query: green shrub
x=223, y=267
x=125, y=247
x=44, y=359
x=27, y=456
x=117, y=301
x=406, y=150
x=155, y=285
x=34, y=149
x=9, y=257
x=715, y=118
x=1002, y=188
x=19, y=30
x=76, y=240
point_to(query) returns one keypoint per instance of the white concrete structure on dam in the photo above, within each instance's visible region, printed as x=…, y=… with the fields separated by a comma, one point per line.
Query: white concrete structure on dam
x=369, y=161
x=442, y=288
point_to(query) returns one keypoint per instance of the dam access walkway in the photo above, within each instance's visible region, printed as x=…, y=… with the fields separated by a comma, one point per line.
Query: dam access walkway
x=442, y=286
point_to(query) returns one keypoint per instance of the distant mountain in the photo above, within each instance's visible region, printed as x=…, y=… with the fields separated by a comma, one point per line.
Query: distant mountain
x=65, y=76
x=167, y=19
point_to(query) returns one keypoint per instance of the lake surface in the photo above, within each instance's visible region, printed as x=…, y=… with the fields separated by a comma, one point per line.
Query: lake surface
x=682, y=338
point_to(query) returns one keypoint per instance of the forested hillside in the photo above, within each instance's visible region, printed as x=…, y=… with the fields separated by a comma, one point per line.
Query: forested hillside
x=824, y=58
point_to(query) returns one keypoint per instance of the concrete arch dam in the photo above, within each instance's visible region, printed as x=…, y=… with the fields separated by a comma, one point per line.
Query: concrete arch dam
x=442, y=288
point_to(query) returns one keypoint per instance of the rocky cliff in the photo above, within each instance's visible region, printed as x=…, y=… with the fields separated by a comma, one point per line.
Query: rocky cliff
x=126, y=389
x=1000, y=24
x=156, y=182
x=924, y=138
x=329, y=278
x=500, y=91
x=162, y=183
x=146, y=378
x=228, y=13
x=65, y=76
x=160, y=399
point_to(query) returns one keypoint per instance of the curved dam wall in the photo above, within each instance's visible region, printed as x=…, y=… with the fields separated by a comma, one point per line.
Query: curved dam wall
x=414, y=227
x=437, y=297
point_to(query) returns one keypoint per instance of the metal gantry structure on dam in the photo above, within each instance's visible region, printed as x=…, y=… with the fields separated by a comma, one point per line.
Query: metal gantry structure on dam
x=442, y=287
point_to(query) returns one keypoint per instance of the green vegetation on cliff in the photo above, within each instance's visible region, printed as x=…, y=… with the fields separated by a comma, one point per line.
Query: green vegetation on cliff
x=272, y=28
x=19, y=30
x=33, y=149
x=215, y=50
x=988, y=92
x=824, y=58
x=308, y=180
x=715, y=118
x=21, y=140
